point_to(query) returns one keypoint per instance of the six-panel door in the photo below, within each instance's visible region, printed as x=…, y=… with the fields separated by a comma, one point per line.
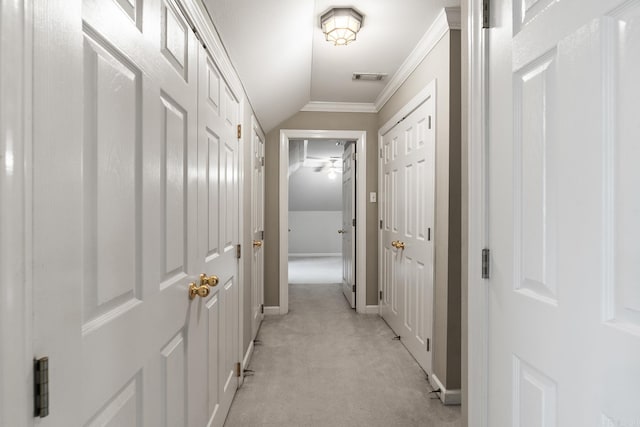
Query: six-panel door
x=152, y=179
x=564, y=300
x=407, y=213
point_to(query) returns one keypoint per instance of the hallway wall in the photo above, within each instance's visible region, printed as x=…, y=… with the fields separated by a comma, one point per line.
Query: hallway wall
x=442, y=64
x=318, y=121
x=315, y=232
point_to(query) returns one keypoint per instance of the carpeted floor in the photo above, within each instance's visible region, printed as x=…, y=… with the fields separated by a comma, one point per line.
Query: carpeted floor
x=324, y=365
x=314, y=270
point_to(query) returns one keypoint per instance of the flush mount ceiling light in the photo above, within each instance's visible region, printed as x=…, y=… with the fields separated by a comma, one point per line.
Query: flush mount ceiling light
x=340, y=25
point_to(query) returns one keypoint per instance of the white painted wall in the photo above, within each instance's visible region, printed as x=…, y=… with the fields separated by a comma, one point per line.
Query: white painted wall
x=315, y=232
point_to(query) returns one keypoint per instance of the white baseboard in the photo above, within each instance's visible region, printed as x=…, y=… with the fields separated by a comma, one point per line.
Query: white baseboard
x=448, y=397
x=271, y=310
x=246, y=360
x=247, y=355
x=313, y=254
x=372, y=309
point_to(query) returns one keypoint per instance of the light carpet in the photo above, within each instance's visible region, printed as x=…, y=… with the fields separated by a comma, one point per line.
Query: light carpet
x=314, y=270
x=325, y=365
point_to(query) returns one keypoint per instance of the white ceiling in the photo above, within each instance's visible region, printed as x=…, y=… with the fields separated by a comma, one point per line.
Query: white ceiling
x=280, y=54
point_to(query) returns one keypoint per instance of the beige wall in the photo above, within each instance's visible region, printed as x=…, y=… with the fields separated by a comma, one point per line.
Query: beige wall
x=442, y=64
x=318, y=121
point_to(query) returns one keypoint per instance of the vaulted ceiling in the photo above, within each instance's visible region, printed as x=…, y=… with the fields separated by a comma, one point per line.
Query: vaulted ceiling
x=280, y=54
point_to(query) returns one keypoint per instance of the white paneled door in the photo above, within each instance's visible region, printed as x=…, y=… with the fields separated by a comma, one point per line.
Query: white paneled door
x=407, y=235
x=564, y=300
x=348, y=223
x=135, y=178
x=257, y=228
x=218, y=219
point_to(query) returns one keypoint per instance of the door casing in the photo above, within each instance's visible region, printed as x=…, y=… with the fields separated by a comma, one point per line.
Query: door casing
x=477, y=291
x=16, y=301
x=361, y=209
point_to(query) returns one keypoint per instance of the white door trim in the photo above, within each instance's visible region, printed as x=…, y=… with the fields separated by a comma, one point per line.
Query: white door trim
x=477, y=310
x=244, y=249
x=361, y=208
x=16, y=305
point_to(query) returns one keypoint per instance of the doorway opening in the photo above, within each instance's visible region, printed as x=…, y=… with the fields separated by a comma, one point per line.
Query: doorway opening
x=324, y=253
x=315, y=211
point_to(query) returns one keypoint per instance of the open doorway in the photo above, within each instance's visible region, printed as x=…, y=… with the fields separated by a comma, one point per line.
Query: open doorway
x=315, y=211
x=322, y=213
x=327, y=224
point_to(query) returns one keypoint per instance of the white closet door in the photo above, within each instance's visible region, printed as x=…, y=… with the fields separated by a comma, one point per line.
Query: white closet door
x=564, y=300
x=257, y=229
x=218, y=222
x=119, y=193
x=408, y=185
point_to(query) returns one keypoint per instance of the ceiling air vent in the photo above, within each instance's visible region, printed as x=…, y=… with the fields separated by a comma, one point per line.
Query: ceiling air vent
x=369, y=76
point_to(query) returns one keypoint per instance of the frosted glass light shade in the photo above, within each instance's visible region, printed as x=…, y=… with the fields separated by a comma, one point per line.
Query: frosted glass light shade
x=340, y=25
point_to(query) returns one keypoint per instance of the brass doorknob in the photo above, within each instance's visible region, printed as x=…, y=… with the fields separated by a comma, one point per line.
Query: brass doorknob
x=397, y=244
x=257, y=243
x=201, y=291
x=208, y=280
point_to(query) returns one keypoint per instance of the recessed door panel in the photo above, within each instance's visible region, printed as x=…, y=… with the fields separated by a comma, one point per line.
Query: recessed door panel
x=174, y=36
x=536, y=176
x=111, y=220
x=173, y=374
x=213, y=194
x=123, y=409
x=174, y=134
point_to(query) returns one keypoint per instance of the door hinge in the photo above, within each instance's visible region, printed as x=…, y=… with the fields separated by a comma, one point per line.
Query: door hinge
x=485, y=263
x=262, y=161
x=381, y=153
x=429, y=234
x=41, y=387
x=353, y=222
x=429, y=122
x=380, y=296
x=238, y=250
x=262, y=235
x=354, y=156
x=353, y=288
x=262, y=308
x=428, y=344
x=238, y=369
x=486, y=13
x=239, y=131
x=380, y=224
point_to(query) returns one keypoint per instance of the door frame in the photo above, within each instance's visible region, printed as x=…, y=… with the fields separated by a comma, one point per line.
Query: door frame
x=361, y=208
x=16, y=167
x=477, y=288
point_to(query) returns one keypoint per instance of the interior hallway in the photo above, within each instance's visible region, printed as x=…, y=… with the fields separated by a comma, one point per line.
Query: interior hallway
x=324, y=365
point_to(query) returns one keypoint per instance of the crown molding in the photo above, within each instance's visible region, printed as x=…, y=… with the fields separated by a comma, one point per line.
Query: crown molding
x=340, y=107
x=448, y=19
